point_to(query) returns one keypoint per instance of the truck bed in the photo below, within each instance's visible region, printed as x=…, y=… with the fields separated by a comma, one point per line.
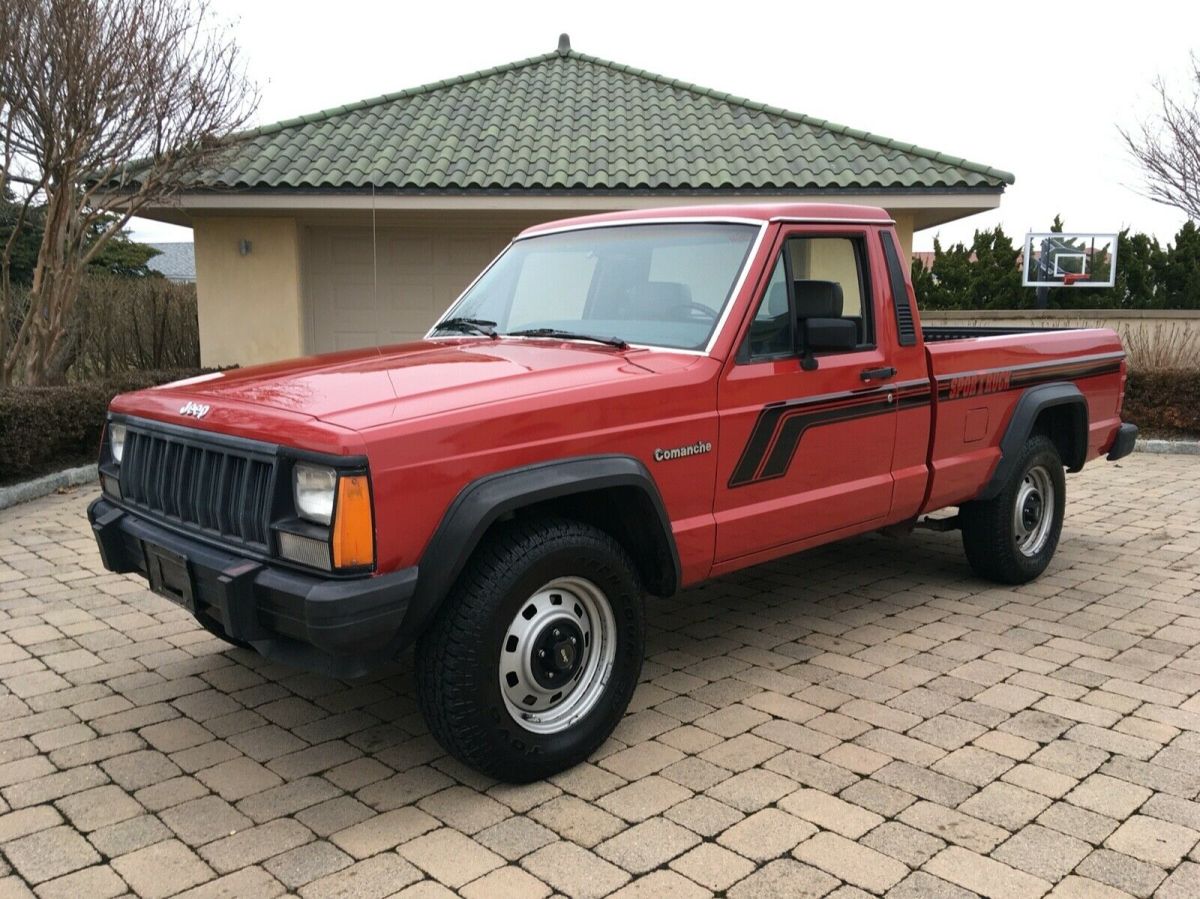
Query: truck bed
x=940, y=333
x=979, y=373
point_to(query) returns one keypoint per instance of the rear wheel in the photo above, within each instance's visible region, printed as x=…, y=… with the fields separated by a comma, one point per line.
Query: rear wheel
x=1012, y=537
x=535, y=654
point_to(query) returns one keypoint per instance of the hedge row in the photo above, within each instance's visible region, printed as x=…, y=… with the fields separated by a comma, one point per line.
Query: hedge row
x=1164, y=403
x=46, y=429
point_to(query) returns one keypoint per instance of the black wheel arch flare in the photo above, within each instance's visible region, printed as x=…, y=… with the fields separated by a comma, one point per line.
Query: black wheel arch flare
x=1062, y=395
x=486, y=500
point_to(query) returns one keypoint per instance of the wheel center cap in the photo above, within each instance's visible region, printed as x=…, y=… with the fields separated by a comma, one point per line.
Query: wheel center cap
x=1032, y=511
x=557, y=654
x=564, y=655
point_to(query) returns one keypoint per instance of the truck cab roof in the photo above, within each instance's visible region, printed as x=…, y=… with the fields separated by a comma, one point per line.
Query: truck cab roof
x=834, y=213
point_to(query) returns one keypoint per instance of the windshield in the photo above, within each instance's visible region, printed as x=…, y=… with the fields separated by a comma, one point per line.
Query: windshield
x=662, y=285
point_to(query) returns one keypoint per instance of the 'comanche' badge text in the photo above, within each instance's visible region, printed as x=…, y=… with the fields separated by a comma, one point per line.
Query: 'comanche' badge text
x=680, y=452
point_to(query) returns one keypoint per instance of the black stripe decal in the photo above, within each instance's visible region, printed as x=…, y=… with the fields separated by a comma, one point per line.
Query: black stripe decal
x=776, y=434
x=1038, y=373
x=794, y=427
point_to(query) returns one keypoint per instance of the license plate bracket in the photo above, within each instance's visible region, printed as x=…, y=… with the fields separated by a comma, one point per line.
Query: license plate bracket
x=170, y=575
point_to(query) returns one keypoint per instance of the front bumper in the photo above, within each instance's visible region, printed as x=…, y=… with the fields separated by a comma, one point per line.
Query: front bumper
x=1122, y=446
x=339, y=627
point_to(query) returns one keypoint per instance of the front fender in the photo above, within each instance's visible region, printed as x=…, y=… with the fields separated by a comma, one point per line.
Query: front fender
x=482, y=502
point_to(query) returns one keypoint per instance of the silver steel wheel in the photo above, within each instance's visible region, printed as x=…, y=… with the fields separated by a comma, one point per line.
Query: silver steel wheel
x=558, y=655
x=1033, y=511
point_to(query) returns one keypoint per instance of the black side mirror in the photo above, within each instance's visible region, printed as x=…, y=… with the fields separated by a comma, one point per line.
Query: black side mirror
x=822, y=334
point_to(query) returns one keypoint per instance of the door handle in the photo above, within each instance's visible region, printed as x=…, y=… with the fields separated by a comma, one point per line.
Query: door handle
x=877, y=374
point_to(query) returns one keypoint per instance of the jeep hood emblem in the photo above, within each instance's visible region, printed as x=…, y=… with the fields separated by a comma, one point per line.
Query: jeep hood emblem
x=196, y=410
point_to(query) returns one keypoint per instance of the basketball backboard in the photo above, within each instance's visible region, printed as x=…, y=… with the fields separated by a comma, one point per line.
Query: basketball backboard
x=1056, y=259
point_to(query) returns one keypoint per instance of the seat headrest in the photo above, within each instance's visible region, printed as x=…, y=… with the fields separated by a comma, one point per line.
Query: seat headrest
x=818, y=299
x=777, y=299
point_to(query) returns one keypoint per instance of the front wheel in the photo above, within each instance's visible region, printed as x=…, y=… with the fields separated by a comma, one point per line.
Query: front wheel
x=534, y=656
x=1012, y=537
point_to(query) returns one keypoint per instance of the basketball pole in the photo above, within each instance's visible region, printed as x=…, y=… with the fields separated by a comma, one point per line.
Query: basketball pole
x=1042, y=300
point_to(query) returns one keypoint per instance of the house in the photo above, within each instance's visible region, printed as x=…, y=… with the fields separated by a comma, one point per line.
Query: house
x=176, y=261
x=358, y=225
x=925, y=258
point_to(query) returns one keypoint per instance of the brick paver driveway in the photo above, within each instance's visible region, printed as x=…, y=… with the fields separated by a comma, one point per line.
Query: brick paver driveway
x=866, y=717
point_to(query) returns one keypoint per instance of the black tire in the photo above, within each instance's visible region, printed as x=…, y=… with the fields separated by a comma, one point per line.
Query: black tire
x=458, y=658
x=990, y=532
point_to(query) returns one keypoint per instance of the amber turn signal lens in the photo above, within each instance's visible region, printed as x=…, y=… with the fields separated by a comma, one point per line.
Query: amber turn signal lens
x=353, y=531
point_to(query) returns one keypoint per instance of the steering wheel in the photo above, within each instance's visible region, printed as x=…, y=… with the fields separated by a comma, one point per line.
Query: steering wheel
x=688, y=311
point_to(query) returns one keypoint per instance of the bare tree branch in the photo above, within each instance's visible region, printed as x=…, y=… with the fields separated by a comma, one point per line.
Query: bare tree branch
x=106, y=106
x=1167, y=147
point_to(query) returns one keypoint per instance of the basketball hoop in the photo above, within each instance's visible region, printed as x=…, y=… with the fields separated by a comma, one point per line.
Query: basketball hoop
x=1069, y=260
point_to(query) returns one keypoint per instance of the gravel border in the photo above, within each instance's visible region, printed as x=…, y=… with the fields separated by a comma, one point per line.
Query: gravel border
x=46, y=484
x=1183, y=447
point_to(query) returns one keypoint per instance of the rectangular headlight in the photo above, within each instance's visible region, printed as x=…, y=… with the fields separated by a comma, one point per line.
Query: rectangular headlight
x=314, y=487
x=116, y=440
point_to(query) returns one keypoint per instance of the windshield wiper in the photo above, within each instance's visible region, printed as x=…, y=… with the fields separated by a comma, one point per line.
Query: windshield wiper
x=469, y=326
x=569, y=335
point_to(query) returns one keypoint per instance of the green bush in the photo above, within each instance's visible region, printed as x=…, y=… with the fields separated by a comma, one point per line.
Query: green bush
x=1164, y=403
x=45, y=429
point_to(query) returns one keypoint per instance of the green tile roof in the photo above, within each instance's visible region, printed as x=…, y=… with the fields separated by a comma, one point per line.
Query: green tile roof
x=567, y=121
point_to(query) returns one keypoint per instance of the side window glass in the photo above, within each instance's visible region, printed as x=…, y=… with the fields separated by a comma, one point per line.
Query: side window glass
x=771, y=330
x=822, y=260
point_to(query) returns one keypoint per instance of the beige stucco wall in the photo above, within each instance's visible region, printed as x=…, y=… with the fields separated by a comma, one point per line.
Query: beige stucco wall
x=250, y=306
x=904, y=231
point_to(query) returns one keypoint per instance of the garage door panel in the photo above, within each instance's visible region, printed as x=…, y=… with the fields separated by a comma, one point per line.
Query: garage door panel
x=351, y=340
x=353, y=248
x=470, y=251
x=410, y=255
x=419, y=275
x=353, y=296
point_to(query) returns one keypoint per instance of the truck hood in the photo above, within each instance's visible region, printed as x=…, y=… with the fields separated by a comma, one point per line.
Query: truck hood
x=364, y=387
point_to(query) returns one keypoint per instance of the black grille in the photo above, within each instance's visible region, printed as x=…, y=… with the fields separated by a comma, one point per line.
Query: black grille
x=219, y=490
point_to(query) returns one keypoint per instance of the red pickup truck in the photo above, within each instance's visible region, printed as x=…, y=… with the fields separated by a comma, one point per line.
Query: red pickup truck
x=618, y=405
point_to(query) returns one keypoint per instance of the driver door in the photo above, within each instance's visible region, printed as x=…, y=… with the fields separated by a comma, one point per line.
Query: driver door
x=804, y=454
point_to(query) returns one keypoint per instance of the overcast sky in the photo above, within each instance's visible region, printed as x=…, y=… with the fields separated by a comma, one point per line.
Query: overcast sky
x=1037, y=89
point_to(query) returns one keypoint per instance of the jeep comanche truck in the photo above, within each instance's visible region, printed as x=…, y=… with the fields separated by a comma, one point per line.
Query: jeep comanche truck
x=621, y=404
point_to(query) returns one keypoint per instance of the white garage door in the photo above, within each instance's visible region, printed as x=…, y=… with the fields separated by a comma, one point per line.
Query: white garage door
x=420, y=272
